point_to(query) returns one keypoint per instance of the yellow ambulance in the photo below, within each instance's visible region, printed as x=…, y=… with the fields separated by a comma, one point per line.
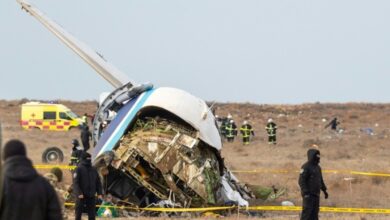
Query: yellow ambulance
x=48, y=116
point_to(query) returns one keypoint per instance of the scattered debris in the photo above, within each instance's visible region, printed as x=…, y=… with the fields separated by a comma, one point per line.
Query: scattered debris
x=368, y=131
x=287, y=203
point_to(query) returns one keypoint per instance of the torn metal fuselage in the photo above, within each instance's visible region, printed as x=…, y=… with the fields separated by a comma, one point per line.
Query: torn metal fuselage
x=148, y=152
x=144, y=166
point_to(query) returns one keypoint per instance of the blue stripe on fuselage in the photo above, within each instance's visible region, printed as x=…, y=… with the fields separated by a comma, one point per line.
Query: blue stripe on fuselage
x=120, y=123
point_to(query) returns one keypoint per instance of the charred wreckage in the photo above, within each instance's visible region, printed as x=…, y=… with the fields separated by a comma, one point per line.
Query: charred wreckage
x=154, y=145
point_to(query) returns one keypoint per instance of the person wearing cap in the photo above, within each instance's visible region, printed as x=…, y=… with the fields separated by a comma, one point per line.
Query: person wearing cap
x=86, y=185
x=26, y=194
x=76, y=153
x=311, y=184
x=231, y=130
x=246, y=132
x=271, y=131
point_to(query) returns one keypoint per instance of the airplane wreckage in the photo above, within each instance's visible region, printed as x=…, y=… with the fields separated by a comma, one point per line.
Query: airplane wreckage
x=154, y=145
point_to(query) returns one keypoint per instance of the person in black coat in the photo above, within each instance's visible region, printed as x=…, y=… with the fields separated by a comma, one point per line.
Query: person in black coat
x=333, y=124
x=86, y=184
x=85, y=137
x=26, y=194
x=311, y=182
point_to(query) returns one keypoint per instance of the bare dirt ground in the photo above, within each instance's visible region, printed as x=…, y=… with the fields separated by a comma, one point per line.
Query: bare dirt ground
x=300, y=126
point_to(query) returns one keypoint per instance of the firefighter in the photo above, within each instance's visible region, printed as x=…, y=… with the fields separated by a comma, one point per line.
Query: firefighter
x=311, y=182
x=26, y=194
x=76, y=153
x=85, y=137
x=246, y=132
x=86, y=184
x=231, y=130
x=84, y=119
x=224, y=123
x=271, y=130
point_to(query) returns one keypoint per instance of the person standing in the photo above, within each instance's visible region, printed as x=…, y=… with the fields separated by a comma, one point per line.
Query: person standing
x=246, y=132
x=333, y=124
x=26, y=194
x=271, y=131
x=76, y=153
x=224, y=123
x=86, y=184
x=231, y=130
x=84, y=119
x=311, y=182
x=85, y=137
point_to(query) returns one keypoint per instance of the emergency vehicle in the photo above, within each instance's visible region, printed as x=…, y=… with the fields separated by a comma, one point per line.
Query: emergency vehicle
x=48, y=116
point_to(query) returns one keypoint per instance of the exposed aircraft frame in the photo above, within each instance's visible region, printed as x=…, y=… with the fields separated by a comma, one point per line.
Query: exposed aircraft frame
x=183, y=149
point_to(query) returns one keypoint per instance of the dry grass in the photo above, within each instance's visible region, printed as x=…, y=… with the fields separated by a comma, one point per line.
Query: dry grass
x=299, y=127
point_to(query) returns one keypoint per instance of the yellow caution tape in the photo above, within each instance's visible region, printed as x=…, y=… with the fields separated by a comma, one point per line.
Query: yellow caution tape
x=325, y=171
x=322, y=209
x=357, y=173
x=263, y=171
x=48, y=166
x=69, y=167
x=252, y=208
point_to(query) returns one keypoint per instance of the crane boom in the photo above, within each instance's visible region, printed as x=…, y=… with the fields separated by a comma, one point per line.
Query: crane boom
x=111, y=74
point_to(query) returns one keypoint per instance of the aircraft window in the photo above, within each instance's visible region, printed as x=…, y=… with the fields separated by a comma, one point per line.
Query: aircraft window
x=49, y=115
x=63, y=115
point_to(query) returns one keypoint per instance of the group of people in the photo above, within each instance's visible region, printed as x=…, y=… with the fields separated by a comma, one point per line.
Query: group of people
x=24, y=189
x=229, y=130
x=28, y=195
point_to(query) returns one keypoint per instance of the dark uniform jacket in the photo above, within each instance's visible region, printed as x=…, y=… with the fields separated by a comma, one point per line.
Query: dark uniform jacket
x=86, y=180
x=76, y=155
x=310, y=178
x=85, y=135
x=246, y=130
x=231, y=129
x=271, y=128
x=27, y=195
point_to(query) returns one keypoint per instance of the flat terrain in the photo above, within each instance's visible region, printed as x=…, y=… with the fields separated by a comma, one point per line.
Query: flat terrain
x=300, y=126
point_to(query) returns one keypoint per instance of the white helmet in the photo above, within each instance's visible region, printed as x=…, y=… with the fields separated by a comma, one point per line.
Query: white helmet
x=231, y=120
x=245, y=122
x=270, y=120
x=229, y=116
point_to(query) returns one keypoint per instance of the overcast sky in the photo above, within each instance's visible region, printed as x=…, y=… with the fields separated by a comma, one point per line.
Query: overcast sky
x=260, y=51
